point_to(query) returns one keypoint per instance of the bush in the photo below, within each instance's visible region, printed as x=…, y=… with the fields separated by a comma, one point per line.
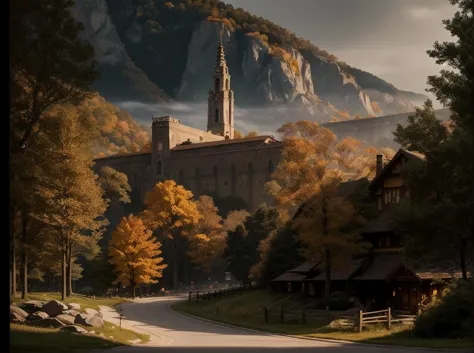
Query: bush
x=451, y=317
x=339, y=301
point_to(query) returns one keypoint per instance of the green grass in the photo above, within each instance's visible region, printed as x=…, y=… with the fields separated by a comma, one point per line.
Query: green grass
x=83, y=301
x=246, y=310
x=33, y=339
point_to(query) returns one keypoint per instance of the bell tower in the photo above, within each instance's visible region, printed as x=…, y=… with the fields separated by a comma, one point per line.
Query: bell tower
x=220, y=115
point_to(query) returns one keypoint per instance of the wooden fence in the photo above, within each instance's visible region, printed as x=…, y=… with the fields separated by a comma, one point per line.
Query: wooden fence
x=195, y=297
x=307, y=316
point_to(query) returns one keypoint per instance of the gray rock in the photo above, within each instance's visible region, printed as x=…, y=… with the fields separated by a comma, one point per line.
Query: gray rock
x=47, y=323
x=38, y=315
x=91, y=312
x=66, y=319
x=74, y=329
x=89, y=320
x=54, y=308
x=16, y=318
x=74, y=306
x=71, y=312
x=18, y=311
x=32, y=306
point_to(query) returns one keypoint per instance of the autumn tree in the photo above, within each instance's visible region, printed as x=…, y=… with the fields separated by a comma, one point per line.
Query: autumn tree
x=208, y=242
x=309, y=177
x=115, y=185
x=173, y=215
x=135, y=253
x=252, y=134
x=237, y=134
x=440, y=228
x=69, y=197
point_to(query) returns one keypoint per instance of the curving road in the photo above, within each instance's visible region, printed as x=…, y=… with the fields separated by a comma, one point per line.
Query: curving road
x=172, y=332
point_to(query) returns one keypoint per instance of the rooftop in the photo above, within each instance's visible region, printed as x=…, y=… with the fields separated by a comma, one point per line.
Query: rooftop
x=121, y=155
x=264, y=139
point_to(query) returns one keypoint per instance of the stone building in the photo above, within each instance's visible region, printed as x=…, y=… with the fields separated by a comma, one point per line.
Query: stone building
x=207, y=162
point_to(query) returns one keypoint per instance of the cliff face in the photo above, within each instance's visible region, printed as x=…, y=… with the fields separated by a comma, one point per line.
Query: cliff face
x=120, y=78
x=141, y=61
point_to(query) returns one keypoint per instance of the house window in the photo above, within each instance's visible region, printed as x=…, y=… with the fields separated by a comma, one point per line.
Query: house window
x=289, y=287
x=159, y=168
x=391, y=196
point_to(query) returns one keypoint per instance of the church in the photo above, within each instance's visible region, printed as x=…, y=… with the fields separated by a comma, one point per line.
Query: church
x=210, y=162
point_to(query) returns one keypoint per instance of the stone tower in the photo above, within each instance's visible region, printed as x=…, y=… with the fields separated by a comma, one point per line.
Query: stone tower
x=220, y=115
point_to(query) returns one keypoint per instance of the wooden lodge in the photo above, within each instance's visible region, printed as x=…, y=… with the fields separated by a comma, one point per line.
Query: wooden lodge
x=381, y=278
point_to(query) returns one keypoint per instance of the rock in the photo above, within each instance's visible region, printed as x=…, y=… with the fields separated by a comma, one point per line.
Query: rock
x=16, y=318
x=89, y=320
x=92, y=332
x=91, y=312
x=39, y=315
x=66, y=319
x=71, y=312
x=49, y=322
x=74, y=329
x=54, y=308
x=32, y=306
x=18, y=311
x=74, y=306
x=101, y=335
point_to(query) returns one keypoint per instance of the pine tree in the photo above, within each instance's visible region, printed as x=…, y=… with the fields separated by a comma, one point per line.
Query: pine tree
x=134, y=252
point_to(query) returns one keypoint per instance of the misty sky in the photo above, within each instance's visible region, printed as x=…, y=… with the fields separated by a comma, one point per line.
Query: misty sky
x=388, y=38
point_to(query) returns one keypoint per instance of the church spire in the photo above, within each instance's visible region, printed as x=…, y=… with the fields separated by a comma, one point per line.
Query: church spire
x=221, y=98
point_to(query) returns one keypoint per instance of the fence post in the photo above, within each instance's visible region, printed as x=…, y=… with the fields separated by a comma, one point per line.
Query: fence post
x=360, y=322
x=189, y=300
x=265, y=314
x=197, y=296
x=303, y=316
x=282, y=315
x=389, y=318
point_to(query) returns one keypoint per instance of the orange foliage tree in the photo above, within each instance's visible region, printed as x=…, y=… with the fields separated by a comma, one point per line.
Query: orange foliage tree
x=172, y=213
x=135, y=253
x=309, y=177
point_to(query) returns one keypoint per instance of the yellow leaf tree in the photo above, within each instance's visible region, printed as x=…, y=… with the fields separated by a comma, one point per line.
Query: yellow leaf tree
x=135, y=253
x=173, y=215
x=309, y=177
x=208, y=243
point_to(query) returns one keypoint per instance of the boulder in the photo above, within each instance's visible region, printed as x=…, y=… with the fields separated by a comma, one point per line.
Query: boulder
x=39, y=315
x=74, y=306
x=74, y=329
x=32, y=306
x=89, y=320
x=16, y=318
x=54, y=308
x=18, y=311
x=92, y=312
x=47, y=323
x=66, y=319
x=71, y=312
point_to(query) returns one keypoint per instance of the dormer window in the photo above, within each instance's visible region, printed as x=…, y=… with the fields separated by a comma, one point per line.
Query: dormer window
x=391, y=196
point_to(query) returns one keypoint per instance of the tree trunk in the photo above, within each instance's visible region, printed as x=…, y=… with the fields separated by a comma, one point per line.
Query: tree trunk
x=69, y=271
x=462, y=256
x=24, y=256
x=13, y=252
x=327, y=280
x=63, y=275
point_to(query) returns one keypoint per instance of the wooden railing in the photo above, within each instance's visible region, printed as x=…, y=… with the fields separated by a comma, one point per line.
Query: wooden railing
x=195, y=297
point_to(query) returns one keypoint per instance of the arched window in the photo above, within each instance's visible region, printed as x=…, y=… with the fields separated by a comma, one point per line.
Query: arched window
x=217, y=85
x=217, y=115
x=159, y=168
x=270, y=167
x=227, y=84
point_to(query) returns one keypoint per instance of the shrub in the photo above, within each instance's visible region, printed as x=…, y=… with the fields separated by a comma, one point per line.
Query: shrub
x=450, y=317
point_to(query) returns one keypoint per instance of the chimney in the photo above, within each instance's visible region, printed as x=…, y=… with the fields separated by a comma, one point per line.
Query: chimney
x=379, y=165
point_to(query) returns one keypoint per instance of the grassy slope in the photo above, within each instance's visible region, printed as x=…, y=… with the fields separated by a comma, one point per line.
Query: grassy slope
x=33, y=339
x=246, y=310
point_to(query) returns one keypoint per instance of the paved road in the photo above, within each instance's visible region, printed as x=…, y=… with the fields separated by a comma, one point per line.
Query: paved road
x=171, y=332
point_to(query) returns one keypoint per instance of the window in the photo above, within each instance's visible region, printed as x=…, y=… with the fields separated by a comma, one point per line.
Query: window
x=391, y=196
x=217, y=85
x=270, y=167
x=227, y=84
x=217, y=115
x=159, y=168
x=159, y=146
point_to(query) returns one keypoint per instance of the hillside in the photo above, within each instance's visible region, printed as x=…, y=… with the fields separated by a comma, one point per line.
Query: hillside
x=155, y=50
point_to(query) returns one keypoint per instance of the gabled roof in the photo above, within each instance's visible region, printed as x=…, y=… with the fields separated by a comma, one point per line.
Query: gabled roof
x=409, y=155
x=342, y=274
x=289, y=277
x=382, y=268
x=305, y=267
x=264, y=139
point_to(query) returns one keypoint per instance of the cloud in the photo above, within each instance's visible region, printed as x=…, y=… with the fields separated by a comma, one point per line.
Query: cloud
x=423, y=12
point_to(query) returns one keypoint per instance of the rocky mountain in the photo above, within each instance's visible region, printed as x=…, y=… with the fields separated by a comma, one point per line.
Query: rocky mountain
x=153, y=50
